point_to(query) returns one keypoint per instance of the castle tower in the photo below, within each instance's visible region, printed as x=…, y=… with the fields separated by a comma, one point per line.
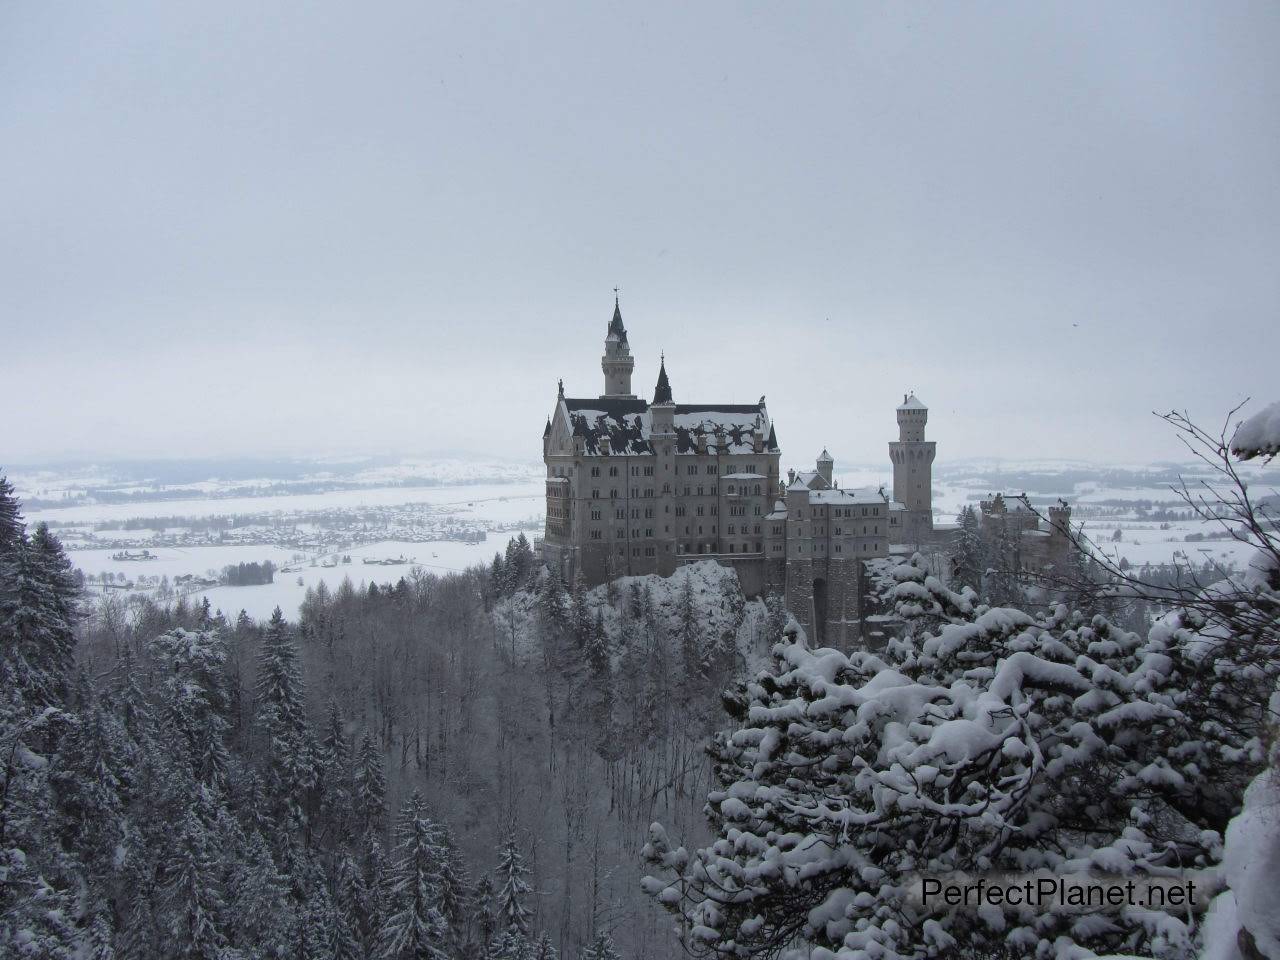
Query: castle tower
x=617, y=362
x=826, y=464
x=912, y=458
x=662, y=436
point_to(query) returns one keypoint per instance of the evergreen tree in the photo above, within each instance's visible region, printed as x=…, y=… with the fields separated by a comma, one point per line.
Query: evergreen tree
x=513, y=885
x=282, y=718
x=370, y=787
x=192, y=901
x=486, y=918
x=414, y=928
x=600, y=948
x=11, y=525
x=345, y=940
x=969, y=561
x=259, y=900
x=545, y=950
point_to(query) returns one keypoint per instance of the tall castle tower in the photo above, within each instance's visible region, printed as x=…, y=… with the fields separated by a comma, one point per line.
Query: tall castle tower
x=617, y=362
x=912, y=458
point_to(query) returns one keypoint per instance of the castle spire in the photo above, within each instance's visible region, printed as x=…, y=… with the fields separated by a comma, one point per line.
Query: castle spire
x=616, y=329
x=662, y=392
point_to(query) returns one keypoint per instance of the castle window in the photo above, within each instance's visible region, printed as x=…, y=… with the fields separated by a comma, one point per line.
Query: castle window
x=732, y=488
x=731, y=530
x=613, y=471
x=595, y=534
x=648, y=471
x=595, y=471
x=595, y=494
x=731, y=550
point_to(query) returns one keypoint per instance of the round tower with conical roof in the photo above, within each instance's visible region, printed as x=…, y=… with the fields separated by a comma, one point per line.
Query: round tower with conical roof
x=912, y=458
x=617, y=362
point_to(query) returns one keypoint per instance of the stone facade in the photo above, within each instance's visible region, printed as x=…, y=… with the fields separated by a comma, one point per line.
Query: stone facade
x=1035, y=551
x=636, y=487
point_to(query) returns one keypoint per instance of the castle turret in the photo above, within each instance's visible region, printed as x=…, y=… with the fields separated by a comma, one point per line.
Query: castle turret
x=663, y=408
x=826, y=464
x=912, y=458
x=617, y=362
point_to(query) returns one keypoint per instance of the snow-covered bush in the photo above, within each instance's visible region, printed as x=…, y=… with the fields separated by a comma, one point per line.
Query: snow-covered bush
x=985, y=739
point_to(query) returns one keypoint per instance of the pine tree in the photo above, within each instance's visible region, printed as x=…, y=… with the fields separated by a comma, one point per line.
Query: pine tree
x=34, y=632
x=600, y=948
x=191, y=898
x=688, y=639
x=259, y=900
x=54, y=569
x=90, y=777
x=545, y=950
x=12, y=529
x=414, y=928
x=512, y=945
x=513, y=885
x=969, y=561
x=579, y=613
x=345, y=935
x=334, y=771
x=486, y=918
x=282, y=716
x=370, y=787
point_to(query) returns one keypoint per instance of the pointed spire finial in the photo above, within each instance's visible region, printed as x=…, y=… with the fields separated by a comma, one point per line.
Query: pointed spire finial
x=662, y=392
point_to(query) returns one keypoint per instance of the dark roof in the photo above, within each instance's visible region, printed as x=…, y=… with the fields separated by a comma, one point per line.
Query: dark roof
x=726, y=427
x=547, y=432
x=662, y=392
x=772, y=442
x=615, y=325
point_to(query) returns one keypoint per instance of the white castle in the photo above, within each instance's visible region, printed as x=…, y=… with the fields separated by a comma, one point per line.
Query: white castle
x=637, y=487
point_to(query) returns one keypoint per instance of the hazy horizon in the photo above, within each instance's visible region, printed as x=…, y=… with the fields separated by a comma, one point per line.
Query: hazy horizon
x=234, y=232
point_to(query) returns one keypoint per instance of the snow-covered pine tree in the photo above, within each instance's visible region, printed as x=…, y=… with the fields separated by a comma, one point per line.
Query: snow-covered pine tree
x=486, y=917
x=333, y=773
x=260, y=915
x=290, y=768
x=600, y=948
x=969, y=559
x=54, y=569
x=11, y=525
x=545, y=949
x=413, y=928
x=454, y=890
x=90, y=775
x=580, y=619
x=369, y=787
x=513, y=885
x=997, y=741
x=192, y=902
x=345, y=939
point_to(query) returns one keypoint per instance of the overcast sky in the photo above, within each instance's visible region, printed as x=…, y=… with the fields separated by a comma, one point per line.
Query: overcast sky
x=307, y=229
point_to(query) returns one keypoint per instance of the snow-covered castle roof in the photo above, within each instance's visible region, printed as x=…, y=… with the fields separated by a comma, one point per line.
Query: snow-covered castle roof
x=911, y=402
x=627, y=424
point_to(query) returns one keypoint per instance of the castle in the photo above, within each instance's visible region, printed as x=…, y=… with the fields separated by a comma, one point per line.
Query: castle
x=636, y=487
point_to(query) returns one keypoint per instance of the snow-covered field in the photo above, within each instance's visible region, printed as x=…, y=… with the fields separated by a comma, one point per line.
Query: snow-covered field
x=500, y=502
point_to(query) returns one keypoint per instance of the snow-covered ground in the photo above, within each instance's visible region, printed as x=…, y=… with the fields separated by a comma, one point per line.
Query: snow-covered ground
x=500, y=502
